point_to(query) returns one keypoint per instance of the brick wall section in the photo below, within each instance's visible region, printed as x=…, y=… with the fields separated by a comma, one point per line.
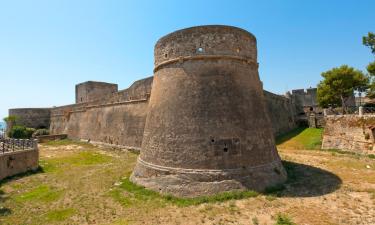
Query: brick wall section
x=13, y=163
x=350, y=132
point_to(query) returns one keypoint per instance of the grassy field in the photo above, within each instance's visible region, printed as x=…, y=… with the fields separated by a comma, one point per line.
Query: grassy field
x=301, y=138
x=82, y=184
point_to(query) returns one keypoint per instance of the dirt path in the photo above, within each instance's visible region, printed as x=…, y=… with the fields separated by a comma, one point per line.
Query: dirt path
x=83, y=184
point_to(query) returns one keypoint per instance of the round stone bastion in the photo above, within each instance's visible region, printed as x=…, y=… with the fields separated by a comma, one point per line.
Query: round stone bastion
x=207, y=129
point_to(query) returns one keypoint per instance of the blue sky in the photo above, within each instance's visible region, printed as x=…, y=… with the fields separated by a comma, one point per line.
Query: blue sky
x=46, y=47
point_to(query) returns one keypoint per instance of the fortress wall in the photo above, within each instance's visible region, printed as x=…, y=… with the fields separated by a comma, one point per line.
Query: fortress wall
x=140, y=89
x=281, y=112
x=117, y=120
x=117, y=123
x=32, y=117
x=120, y=119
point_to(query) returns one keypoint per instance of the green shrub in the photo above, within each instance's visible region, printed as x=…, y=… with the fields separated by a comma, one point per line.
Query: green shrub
x=40, y=132
x=21, y=132
x=283, y=219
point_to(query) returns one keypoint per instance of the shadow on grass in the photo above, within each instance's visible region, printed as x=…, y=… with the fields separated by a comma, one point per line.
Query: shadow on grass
x=303, y=181
x=291, y=134
x=3, y=211
x=306, y=181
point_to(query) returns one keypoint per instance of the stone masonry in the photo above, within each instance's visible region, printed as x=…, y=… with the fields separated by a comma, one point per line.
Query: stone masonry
x=350, y=132
x=207, y=128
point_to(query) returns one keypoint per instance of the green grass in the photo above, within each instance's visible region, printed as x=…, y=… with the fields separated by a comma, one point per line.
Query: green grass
x=83, y=158
x=301, y=138
x=289, y=135
x=64, y=142
x=59, y=215
x=42, y=193
x=283, y=219
x=129, y=194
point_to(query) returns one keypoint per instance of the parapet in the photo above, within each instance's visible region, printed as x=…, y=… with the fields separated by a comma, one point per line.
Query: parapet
x=213, y=41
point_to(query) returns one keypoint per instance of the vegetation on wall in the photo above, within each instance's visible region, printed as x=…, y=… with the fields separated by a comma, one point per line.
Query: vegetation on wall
x=10, y=119
x=20, y=132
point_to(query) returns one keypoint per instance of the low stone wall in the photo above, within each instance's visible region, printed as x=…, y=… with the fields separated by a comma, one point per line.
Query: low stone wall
x=52, y=137
x=350, y=132
x=12, y=163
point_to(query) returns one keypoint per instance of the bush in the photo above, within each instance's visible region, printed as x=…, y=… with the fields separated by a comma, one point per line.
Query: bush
x=283, y=219
x=40, y=132
x=21, y=132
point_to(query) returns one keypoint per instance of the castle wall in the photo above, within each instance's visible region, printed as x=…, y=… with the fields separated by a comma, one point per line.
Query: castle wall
x=350, y=132
x=117, y=120
x=32, y=117
x=120, y=118
x=119, y=123
x=281, y=112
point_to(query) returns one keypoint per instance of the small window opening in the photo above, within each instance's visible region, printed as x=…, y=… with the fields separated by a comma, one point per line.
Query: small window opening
x=225, y=148
x=165, y=55
x=200, y=50
x=212, y=140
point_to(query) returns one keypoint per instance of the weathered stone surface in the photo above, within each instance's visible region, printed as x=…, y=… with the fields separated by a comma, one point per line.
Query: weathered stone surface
x=281, y=111
x=32, y=117
x=136, y=98
x=13, y=163
x=93, y=90
x=207, y=128
x=350, y=132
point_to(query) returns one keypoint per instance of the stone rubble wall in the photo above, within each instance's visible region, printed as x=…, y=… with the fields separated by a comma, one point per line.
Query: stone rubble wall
x=350, y=132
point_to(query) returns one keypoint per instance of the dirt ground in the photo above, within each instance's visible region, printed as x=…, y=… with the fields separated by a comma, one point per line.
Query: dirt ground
x=83, y=184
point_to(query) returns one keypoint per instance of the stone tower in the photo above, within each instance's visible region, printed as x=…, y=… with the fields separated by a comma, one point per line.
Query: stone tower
x=207, y=130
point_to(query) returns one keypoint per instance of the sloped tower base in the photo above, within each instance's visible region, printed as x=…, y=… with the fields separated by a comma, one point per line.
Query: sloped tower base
x=207, y=129
x=193, y=183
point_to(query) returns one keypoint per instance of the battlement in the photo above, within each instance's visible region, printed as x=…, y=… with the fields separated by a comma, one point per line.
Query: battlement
x=305, y=98
x=206, y=43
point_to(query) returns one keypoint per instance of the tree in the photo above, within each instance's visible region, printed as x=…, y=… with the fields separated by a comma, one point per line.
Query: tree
x=371, y=77
x=339, y=84
x=369, y=41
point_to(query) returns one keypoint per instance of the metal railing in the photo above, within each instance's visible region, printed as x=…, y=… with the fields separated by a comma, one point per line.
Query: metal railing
x=12, y=145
